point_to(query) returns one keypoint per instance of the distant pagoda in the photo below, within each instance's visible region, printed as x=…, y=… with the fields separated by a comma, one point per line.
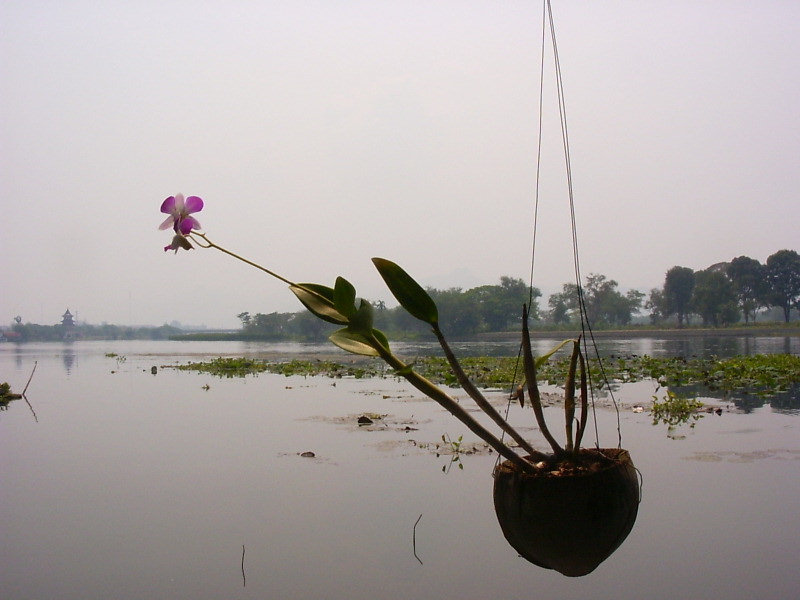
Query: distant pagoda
x=68, y=323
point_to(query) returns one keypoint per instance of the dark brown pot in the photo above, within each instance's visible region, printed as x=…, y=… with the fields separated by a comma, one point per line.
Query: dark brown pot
x=570, y=523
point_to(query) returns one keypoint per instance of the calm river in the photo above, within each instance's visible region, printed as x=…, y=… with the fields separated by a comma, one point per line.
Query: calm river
x=120, y=483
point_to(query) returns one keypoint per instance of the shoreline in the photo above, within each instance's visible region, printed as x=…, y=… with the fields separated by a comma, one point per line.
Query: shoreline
x=764, y=331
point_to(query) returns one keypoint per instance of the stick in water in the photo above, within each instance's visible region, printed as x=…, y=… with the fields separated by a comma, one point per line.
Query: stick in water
x=31, y=377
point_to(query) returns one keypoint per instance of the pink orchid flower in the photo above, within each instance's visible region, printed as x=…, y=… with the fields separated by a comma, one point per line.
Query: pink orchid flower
x=180, y=213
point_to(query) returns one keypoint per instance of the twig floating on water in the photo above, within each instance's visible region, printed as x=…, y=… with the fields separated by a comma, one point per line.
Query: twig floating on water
x=415, y=538
x=244, y=577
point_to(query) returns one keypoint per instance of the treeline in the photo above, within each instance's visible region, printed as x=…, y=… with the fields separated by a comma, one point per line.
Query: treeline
x=31, y=332
x=720, y=295
x=461, y=313
x=728, y=292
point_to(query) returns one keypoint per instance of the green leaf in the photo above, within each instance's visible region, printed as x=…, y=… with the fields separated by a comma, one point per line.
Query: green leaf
x=540, y=360
x=381, y=339
x=344, y=297
x=408, y=292
x=319, y=300
x=353, y=342
x=361, y=321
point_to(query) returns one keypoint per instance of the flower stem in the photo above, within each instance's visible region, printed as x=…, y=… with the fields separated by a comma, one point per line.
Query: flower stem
x=207, y=243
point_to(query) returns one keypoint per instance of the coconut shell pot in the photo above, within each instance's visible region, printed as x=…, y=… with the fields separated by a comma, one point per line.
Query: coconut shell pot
x=568, y=516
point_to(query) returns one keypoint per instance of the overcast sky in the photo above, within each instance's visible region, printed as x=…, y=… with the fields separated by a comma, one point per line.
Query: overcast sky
x=323, y=133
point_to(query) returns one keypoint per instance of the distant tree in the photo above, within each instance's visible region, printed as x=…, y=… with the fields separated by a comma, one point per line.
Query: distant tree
x=459, y=314
x=500, y=306
x=307, y=328
x=634, y=300
x=713, y=298
x=271, y=326
x=397, y=320
x=605, y=305
x=559, y=307
x=564, y=304
x=244, y=317
x=749, y=280
x=656, y=304
x=783, y=275
x=678, y=287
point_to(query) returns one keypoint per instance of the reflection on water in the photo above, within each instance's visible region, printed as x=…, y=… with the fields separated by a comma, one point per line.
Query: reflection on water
x=785, y=401
x=140, y=486
x=699, y=346
x=68, y=357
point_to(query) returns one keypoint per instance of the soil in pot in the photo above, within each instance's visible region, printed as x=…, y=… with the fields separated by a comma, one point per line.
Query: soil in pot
x=572, y=514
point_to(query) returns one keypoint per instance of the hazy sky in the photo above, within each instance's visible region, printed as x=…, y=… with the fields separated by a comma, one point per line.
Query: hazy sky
x=323, y=133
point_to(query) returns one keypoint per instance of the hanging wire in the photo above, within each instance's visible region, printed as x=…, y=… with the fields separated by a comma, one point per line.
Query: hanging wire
x=587, y=335
x=540, y=113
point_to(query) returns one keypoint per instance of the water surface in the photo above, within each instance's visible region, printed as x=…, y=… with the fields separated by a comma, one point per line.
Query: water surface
x=117, y=483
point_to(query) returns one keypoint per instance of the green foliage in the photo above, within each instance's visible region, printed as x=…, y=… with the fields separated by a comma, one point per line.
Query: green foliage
x=407, y=291
x=783, y=275
x=486, y=308
x=673, y=410
x=455, y=452
x=356, y=342
x=720, y=293
x=241, y=367
x=319, y=300
x=677, y=295
x=713, y=298
x=500, y=306
x=657, y=305
x=605, y=304
x=761, y=374
x=749, y=281
x=459, y=312
x=32, y=332
x=226, y=367
x=344, y=298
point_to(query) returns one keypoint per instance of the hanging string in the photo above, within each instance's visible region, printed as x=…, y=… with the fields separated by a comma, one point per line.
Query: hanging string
x=587, y=335
x=540, y=113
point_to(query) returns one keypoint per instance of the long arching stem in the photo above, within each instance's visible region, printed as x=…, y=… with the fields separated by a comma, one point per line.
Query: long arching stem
x=207, y=243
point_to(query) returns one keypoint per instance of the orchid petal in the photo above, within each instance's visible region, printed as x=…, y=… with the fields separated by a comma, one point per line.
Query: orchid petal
x=168, y=206
x=193, y=204
x=186, y=225
x=168, y=222
x=179, y=204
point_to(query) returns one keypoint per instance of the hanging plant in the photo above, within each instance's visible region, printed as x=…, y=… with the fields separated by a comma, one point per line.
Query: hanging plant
x=567, y=509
